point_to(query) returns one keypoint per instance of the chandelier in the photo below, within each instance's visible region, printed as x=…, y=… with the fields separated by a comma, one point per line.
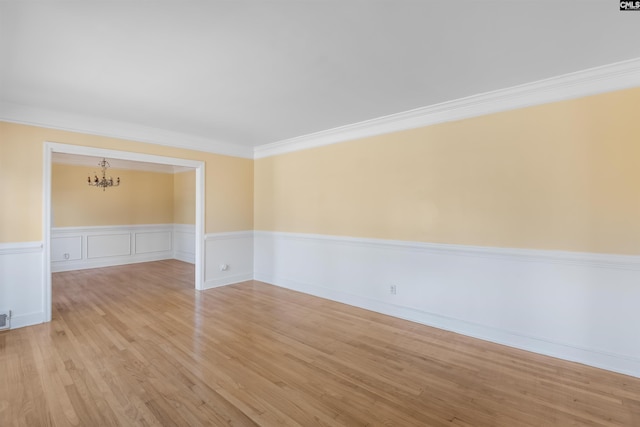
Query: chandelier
x=103, y=182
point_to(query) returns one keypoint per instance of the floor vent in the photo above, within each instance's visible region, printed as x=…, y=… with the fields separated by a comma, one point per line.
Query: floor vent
x=5, y=320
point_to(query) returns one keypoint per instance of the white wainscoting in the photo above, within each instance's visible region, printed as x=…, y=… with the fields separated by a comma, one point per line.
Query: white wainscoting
x=21, y=278
x=575, y=306
x=77, y=248
x=184, y=243
x=233, y=249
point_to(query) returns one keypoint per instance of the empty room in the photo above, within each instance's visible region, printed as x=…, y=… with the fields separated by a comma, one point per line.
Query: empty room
x=332, y=213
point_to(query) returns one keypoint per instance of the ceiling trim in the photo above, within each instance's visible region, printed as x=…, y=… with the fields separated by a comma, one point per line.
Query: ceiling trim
x=52, y=119
x=616, y=76
x=607, y=78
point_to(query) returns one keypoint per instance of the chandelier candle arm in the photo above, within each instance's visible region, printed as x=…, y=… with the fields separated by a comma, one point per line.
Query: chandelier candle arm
x=103, y=182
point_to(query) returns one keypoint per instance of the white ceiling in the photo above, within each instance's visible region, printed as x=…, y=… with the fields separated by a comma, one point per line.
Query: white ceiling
x=255, y=72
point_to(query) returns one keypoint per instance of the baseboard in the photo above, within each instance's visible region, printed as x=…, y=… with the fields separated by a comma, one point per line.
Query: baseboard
x=228, y=280
x=109, y=262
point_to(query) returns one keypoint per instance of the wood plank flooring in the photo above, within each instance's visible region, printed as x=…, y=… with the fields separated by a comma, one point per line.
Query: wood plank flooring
x=138, y=346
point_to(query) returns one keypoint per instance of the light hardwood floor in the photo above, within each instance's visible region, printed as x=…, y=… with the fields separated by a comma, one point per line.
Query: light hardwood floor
x=137, y=345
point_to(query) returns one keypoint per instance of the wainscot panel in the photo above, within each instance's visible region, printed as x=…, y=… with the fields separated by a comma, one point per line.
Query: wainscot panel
x=104, y=246
x=153, y=241
x=184, y=243
x=21, y=284
x=228, y=258
x=108, y=245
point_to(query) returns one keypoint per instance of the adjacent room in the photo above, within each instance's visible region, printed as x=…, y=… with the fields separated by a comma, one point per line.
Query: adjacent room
x=301, y=213
x=150, y=218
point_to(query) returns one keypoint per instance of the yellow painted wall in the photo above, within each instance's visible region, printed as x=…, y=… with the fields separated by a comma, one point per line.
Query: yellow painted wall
x=20, y=188
x=563, y=176
x=184, y=198
x=558, y=176
x=142, y=198
x=228, y=182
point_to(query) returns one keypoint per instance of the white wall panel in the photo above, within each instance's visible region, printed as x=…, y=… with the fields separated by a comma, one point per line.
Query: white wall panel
x=107, y=245
x=21, y=284
x=66, y=248
x=153, y=241
x=184, y=243
x=235, y=250
x=580, y=307
x=104, y=246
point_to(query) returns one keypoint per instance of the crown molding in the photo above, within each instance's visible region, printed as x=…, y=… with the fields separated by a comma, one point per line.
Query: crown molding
x=592, y=81
x=607, y=78
x=52, y=119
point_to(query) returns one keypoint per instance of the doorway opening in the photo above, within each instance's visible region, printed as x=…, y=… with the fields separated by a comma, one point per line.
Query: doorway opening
x=51, y=147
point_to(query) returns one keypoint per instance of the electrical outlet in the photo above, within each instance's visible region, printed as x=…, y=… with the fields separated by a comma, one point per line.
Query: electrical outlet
x=393, y=290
